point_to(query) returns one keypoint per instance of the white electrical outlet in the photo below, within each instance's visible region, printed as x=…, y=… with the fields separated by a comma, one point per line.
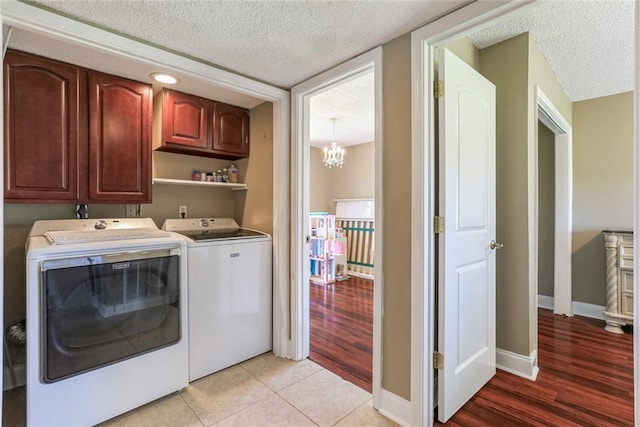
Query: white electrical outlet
x=182, y=211
x=131, y=211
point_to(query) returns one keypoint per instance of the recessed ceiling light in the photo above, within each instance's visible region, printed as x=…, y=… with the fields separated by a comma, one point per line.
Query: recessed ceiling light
x=164, y=78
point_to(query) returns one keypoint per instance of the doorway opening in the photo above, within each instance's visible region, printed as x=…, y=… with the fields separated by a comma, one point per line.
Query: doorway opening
x=554, y=141
x=546, y=217
x=337, y=215
x=341, y=225
x=425, y=41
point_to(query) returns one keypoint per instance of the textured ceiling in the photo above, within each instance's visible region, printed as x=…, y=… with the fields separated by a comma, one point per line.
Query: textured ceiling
x=351, y=104
x=588, y=43
x=278, y=42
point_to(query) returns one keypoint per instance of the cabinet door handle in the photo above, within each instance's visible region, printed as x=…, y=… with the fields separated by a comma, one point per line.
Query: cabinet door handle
x=496, y=245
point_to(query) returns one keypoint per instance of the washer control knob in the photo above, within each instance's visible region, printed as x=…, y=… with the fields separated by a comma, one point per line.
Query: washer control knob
x=100, y=224
x=204, y=223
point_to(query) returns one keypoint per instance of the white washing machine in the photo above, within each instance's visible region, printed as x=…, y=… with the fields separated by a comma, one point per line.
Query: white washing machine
x=106, y=318
x=230, y=292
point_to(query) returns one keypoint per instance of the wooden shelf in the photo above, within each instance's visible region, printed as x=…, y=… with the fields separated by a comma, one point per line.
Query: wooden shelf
x=169, y=181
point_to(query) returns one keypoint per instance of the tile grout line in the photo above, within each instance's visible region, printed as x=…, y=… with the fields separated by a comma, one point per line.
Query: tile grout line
x=189, y=406
x=277, y=392
x=289, y=385
x=354, y=410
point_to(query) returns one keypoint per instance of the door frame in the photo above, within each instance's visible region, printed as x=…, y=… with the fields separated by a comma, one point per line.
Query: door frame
x=549, y=115
x=423, y=194
x=300, y=96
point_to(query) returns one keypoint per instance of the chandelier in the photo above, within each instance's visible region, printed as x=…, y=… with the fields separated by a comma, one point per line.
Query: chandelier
x=333, y=155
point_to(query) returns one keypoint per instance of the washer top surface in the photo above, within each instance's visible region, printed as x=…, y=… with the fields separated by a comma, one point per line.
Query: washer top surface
x=210, y=229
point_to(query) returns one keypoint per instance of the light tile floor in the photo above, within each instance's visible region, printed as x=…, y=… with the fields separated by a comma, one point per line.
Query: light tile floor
x=264, y=391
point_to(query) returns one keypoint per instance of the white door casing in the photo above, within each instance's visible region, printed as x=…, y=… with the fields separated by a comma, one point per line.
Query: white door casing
x=467, y=261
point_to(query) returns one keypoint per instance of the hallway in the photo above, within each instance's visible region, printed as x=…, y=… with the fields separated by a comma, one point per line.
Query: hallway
x=585, y=379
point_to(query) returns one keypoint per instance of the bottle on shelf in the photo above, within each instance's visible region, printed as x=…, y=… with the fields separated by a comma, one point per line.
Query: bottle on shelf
x=233, y=174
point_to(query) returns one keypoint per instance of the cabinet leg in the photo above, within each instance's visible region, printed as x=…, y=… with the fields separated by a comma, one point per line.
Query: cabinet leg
x=614, y=327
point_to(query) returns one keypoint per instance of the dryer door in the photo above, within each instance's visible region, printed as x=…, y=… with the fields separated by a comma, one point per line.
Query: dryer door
x=103, y=309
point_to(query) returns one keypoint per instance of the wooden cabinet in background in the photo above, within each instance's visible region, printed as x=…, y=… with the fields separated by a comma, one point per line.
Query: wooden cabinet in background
x=231, y=130
x=43, y=128
x=119, y=139
x=184, y=120
x=188, y=124
x=619, y=269
x=74, y=135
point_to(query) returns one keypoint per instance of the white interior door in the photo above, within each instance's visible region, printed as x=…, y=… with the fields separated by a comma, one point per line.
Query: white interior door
x=467, y=260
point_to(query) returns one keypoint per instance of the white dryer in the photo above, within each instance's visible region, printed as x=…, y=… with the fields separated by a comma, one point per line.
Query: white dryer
x=230, y=292
x=106, y=318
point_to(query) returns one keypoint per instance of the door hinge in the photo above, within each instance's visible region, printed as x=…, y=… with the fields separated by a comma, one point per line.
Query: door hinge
x=438, y=89
x=438, y=224
x=438, y=361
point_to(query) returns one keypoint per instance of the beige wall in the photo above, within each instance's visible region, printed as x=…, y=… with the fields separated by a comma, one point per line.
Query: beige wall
x=546, y=209
x=516, y=66
x=506, y=65
x=540, y=75
x=355, y=180
x=251, y=208
x=602, y=186
x=321, y=199
x=254, y=208
x=465, y=50
x=396, y=251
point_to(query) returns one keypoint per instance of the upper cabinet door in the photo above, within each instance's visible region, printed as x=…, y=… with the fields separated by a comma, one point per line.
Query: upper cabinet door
x=119, y=139
x=231, y=130
x=184, y=120
x=42, y=128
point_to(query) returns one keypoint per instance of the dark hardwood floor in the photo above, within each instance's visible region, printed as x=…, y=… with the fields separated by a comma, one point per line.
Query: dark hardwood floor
x=585, y=379
x=341, y=329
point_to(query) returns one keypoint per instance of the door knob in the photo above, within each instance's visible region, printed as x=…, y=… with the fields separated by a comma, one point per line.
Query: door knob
x=496, y=245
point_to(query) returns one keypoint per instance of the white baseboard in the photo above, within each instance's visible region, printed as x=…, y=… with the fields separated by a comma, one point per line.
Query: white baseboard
x=545, y=302
x=579, y=308
x=21, y=377
x=517, y=364
x=395, y=408
x=588, y=310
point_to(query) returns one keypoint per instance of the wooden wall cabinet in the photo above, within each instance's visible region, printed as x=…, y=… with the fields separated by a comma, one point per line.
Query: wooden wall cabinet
x=74, y=135
x=42, y=128
x=188, y=124
x=184, y=121
x=119, y=139
x=231, y=130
